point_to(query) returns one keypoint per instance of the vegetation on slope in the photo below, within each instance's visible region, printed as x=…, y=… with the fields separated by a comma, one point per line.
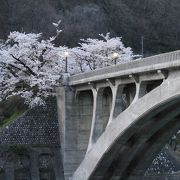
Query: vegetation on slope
x=156, y=20
x=10, y=110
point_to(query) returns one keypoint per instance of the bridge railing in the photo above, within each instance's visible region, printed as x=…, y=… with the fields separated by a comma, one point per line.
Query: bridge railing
x=139, y=63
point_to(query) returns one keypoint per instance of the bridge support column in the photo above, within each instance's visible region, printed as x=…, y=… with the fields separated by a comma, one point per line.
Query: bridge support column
x=102, y=110
x=140, y=91
x=99, y=123
x=114, y=96
x=68, y=124
x=95, y=92
x=116, y=107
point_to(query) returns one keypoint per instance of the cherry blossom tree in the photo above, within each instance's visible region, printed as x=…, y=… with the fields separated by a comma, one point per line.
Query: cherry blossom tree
x=98, y=53
x=31, y=67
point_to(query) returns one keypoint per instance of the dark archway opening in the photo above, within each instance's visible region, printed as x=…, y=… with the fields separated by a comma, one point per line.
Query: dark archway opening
x=85, y=112
x=104, y=105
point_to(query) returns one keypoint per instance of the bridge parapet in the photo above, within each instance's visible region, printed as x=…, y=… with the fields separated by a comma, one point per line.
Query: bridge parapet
x=163, y=61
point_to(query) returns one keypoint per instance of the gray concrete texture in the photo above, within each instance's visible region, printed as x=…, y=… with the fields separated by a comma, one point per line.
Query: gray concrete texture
x=111, y=117
x=128, y=123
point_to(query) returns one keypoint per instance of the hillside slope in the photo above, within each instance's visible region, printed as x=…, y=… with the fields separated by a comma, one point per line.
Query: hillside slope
x=156, y=20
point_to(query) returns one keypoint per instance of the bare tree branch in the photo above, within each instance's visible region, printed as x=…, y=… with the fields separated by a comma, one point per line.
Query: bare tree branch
x=28, y=68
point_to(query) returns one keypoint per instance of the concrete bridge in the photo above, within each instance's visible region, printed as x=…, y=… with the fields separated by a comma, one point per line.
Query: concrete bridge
x=115, y=120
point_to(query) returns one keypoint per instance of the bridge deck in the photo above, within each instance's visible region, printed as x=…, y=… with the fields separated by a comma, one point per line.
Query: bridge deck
x=153, y=63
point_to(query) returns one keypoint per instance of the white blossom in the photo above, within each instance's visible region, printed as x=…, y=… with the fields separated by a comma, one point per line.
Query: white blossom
x=28, y=63
x=31, y=67
x=98, y=53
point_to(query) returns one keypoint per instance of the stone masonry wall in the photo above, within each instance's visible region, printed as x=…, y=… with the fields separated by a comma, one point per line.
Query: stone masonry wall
x=36, y=126
x=30, y=146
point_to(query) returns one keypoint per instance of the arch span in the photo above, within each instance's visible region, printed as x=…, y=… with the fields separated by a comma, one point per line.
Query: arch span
x=137, y=132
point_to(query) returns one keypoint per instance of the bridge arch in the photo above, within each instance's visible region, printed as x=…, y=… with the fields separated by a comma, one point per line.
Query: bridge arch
x=138, y=131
